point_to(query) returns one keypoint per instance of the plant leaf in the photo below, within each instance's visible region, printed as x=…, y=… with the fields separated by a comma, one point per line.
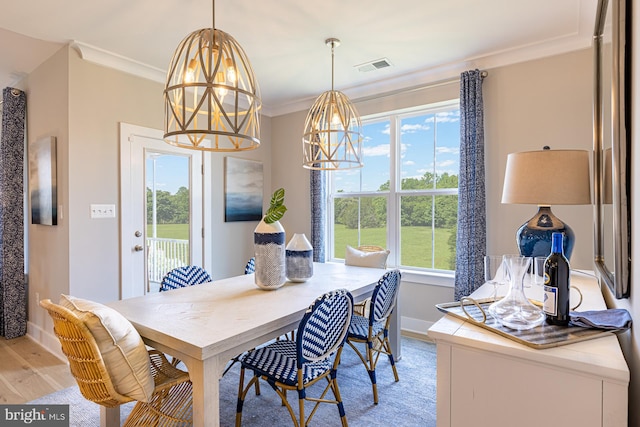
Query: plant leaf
x=275, y=214
x=278, y=198
x=277, y=208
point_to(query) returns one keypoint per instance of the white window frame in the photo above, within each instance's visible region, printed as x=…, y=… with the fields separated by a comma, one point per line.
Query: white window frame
x=417, y=274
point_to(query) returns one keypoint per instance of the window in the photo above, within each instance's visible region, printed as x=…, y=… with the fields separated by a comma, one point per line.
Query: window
x=405, y=198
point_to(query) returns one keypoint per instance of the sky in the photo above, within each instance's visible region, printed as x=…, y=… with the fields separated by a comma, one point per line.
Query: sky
x=171, y=172
x=429, y=142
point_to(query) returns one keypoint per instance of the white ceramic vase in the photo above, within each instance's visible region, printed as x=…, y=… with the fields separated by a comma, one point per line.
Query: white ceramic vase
x=269, y=248
x=299, y=258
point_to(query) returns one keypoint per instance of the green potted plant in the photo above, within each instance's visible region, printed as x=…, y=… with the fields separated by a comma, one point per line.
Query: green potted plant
x=269, y=245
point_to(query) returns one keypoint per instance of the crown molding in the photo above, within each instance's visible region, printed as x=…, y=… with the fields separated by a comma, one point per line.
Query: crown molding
x=573, y=42
x=118, y=62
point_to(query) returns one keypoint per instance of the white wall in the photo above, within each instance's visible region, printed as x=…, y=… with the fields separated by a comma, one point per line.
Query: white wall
x=47, y=115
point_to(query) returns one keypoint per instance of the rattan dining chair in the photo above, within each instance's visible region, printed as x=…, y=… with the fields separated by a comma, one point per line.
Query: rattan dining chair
x=313, y=356
x=184, y=276
x=373, y=330
x=170, y=403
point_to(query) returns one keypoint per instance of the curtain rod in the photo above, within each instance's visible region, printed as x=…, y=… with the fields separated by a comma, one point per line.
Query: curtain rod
x=444, y=82
x=14, y=92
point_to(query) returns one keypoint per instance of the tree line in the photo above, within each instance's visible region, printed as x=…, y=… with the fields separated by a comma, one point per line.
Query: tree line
x=170, y=208
x=415, y=210
x=418, y=211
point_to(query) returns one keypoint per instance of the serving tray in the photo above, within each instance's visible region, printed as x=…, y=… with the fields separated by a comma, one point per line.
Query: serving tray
x=540, y=337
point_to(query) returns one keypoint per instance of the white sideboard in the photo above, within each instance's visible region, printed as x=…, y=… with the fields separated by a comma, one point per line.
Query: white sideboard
x=485, y=379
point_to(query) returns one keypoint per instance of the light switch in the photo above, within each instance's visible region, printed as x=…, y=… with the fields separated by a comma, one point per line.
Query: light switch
x=103, y=211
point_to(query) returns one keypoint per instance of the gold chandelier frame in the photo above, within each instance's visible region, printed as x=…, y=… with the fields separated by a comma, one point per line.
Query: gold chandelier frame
x=332, y=137
x=211, y=91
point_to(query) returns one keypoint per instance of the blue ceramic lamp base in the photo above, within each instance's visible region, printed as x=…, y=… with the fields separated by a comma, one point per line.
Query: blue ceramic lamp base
x=534, y=236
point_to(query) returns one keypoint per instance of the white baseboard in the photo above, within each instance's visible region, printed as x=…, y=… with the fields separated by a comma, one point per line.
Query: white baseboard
x=415, y=326
x=46, y=339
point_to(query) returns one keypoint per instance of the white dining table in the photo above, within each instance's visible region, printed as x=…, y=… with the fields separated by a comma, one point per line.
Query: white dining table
x=206, y=325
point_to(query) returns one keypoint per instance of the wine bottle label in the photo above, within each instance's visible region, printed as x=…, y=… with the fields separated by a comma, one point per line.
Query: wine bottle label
x=550, y=300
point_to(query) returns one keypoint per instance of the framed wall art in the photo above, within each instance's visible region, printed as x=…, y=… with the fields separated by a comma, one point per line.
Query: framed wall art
x=43, y=181
x=243, y=190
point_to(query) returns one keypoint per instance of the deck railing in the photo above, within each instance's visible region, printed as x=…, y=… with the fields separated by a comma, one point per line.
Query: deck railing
x=165, y=255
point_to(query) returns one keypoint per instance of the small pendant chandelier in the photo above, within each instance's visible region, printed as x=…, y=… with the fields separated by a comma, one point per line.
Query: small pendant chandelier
x=332, y=136
x=211, y=93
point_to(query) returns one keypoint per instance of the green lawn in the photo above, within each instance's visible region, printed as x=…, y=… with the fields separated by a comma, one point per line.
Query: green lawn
x=416, y=242
x=170, y=231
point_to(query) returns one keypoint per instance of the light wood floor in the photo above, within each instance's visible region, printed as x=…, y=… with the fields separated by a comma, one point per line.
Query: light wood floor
x=28, y=371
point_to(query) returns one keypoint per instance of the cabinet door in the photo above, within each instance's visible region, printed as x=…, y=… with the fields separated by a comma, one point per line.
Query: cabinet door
x=488, y=389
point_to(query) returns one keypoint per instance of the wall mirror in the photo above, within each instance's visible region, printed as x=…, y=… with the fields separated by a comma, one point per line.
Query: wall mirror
x=612, y=145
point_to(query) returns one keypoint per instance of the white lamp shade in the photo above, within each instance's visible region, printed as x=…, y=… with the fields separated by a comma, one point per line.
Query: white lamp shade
x=547, y=177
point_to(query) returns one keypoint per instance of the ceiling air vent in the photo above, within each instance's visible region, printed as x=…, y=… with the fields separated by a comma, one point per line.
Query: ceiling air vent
x=374, y=65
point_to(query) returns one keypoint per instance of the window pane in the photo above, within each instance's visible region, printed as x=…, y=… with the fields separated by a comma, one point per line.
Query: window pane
x=445, y=226
x=447, y=153
x=359, y=221
x=428, y=231
x=374, y=175
x=417, y=152
x=424, y=147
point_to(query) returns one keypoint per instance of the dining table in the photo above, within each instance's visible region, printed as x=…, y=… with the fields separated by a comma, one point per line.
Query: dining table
x=207, y=325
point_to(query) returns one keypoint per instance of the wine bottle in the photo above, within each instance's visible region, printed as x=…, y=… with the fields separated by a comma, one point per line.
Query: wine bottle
x=556, y=284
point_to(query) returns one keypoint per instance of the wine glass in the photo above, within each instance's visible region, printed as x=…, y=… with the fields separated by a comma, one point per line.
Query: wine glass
x=495, y=273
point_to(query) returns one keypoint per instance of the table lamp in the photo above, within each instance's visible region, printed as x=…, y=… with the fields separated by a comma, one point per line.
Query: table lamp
x=544, y=178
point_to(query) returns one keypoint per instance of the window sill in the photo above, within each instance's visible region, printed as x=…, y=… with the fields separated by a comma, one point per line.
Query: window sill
x=428, y=278
x=423, y=277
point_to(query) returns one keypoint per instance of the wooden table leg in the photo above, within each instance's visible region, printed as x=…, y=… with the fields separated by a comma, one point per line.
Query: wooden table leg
x=205, y=377
x=109, y=417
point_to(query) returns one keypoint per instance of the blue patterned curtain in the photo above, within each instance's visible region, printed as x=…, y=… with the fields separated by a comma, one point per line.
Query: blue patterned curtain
x=318, y=213
x=472, y=237
x=13, y=287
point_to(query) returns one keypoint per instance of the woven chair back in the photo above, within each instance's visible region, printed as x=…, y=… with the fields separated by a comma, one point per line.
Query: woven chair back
x=182, y=277
x=251, y=266
x=384, y=296
x=323, y=329
x=85, y=360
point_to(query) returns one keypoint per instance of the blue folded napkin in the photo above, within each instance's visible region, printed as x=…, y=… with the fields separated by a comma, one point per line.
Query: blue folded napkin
x=613, y=318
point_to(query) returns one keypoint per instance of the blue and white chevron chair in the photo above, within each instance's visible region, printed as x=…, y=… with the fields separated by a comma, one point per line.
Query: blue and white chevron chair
x=313, y=356
x=250, y=268
x=373, y=330
x=182, y=277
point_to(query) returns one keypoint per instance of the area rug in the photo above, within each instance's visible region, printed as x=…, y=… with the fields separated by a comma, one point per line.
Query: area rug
x=408, y=403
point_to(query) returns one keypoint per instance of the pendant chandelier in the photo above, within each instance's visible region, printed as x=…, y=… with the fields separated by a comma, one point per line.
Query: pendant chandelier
x=211, y=93
x=332, y=136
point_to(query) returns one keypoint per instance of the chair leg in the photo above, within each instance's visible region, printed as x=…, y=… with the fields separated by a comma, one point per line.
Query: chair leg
x=303, y=422
x=240, y=402
x=371, y=368
x=336, y=394
x=387, y=346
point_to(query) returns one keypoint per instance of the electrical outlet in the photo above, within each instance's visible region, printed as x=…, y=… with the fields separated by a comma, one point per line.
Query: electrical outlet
x=103, y=211
x=38, y=298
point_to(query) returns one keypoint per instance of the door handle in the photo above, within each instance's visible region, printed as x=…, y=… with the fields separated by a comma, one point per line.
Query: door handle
x=138, y=248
